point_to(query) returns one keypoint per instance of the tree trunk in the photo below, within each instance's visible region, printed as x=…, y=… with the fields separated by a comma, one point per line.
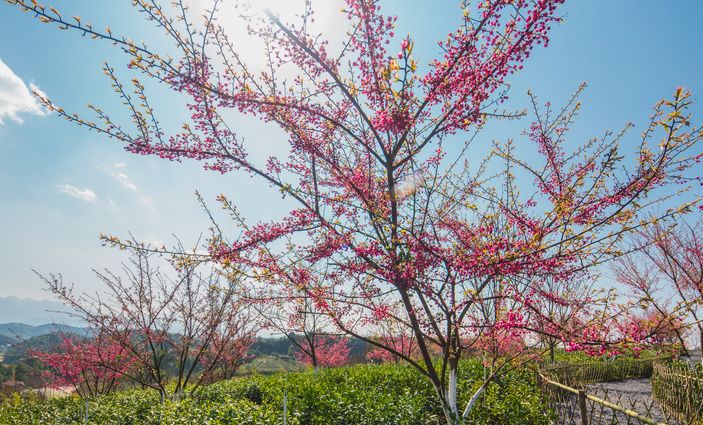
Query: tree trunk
x=450, y=416
x=551, y=351
x=470, y=405
x=451, y=390
x=449, y=405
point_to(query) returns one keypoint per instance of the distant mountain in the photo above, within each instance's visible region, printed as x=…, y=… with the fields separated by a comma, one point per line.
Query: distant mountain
x=33, y=312
x=5, y=341
x=14, y=330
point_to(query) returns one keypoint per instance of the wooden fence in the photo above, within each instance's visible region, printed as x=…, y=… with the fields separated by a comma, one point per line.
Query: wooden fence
x=572, y=406
x=577, y=374
x=678, y=388
x=564, y=389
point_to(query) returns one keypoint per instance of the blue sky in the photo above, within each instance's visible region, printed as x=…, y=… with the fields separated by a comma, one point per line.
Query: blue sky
x=61, y=186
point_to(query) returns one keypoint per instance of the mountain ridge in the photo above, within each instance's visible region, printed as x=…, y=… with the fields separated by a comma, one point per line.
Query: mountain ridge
x=25, y=331
x=34, y=312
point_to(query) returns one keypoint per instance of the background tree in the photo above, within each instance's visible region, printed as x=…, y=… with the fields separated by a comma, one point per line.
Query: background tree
x=388, y=333
x=295, y=316
x=560, y=303
x=174, y=328
x=324, y=351
x=651, y=330
x=381, y=166
x=229, y=348
x=92, y=366
x=665, y=273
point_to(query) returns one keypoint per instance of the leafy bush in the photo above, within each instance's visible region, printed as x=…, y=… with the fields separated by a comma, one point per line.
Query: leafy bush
x=362, y=394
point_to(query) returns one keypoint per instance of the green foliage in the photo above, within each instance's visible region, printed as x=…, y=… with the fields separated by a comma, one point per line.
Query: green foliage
x=362, y=394
x=512, y=399
x=19, y=351
x=266, y=364
x=562, y=357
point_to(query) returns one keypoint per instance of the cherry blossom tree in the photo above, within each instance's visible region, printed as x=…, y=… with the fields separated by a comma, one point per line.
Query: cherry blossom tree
x=175, y=328
x=665, y=273
x=389, y=333
x=295, y=317
x=92, y=366
x=649, y=330
x=229, y=348
x=559, y=303
x=324, y=351
x=387, y=170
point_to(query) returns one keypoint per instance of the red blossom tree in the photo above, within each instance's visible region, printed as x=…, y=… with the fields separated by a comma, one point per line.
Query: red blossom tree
x=649, y=330
x=296, y=318
x=627, y=332
x=383, y=170
x=229, y=348
x=665, y=274
x=388, y=333
x=176, y=328
x=325, y=351
x=559, y=303
x=92, y=366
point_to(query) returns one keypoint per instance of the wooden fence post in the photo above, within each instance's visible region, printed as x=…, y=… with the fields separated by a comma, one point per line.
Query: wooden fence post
x=583, y=407
x=285, y=407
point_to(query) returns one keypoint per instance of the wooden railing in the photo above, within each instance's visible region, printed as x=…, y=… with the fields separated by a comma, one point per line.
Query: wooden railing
x=564, y=389
x=679, y=390
x=587, y=414
x=576, y=374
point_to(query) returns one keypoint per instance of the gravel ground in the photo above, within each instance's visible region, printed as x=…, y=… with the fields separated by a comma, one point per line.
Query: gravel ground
x=634, y=394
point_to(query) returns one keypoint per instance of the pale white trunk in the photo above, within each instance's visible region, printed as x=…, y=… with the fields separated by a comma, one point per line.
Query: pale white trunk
x=474, y=398
x=451, y=393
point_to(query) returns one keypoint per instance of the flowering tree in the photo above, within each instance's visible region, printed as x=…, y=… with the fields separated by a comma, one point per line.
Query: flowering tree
x=93, y=366
x=629, y=331
x=389, y=333
x=175, y=329
x=559, y=304
x=665, y=273
x=382, y=168
x=324, y=351
x=307, y=329
x=229, y=348
x=649, y=330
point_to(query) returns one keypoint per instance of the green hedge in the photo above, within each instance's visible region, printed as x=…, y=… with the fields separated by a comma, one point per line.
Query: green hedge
x=363, y=395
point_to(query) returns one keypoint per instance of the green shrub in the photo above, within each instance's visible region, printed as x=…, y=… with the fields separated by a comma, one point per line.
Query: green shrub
x=359, y=395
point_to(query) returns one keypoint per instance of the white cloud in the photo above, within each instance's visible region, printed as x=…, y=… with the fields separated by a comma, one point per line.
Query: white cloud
x=15, y=97
x=86, y=194
x=124, y=180
x=121, y=178
x=116, y=171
